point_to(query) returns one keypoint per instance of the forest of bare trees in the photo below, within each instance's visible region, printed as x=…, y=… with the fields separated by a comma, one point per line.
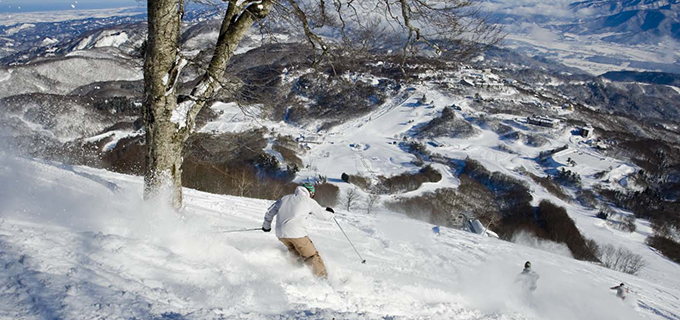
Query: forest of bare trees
x=436, y=27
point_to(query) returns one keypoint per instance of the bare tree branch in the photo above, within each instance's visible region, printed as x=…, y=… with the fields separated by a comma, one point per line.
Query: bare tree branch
x=237, y=20
x=352, y=29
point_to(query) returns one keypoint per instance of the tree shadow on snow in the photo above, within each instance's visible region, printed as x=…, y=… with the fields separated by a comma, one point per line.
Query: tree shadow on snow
x=113, y=187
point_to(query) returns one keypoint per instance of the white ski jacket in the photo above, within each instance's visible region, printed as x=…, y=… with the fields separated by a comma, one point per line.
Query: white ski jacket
x=621, y=291
x=292, y=210
x=528, y=279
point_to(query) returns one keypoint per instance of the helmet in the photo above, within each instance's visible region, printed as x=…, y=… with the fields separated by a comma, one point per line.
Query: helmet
x=309, y=187
x=527, y=265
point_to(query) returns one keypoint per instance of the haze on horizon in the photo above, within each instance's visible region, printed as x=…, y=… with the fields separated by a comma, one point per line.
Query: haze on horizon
x=18, y=6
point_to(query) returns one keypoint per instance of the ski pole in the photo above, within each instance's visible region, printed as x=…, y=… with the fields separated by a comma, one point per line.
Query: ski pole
x=350, y=241
x=239, y=230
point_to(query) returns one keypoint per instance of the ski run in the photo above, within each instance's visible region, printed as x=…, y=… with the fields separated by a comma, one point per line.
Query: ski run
x=79, y=243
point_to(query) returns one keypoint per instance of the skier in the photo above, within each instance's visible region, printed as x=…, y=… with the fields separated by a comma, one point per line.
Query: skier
x=621, y=291
x=527, y=278
x=292, y=210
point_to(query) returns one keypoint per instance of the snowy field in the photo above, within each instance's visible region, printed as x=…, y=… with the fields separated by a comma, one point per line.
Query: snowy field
x=593, y=55
x=78, y=243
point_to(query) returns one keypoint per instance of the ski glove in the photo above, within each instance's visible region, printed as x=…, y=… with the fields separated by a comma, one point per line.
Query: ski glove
x=266, y=230
x=329, y=209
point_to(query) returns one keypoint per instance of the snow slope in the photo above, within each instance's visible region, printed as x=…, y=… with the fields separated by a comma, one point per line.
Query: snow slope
x=366, y=145
x=56, y=75
x=78, y=243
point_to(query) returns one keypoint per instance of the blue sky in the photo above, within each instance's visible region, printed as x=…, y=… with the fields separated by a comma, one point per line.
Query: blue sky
x=50, y=5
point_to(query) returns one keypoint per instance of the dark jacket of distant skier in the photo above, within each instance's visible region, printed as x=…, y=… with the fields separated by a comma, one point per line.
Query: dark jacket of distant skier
x=291, y=212
x=527, y=279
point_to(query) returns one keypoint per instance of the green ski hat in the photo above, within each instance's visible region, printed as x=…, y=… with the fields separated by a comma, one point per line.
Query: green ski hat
x=309, y=187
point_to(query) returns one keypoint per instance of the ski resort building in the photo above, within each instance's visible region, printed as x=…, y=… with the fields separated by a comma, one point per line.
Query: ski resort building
x=586, y=131
x=542, y=121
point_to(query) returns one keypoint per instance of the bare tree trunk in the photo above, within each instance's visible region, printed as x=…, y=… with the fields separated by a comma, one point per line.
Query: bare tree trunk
x=164, y=140
x=243, y=182
x=371, y=201
x=169, y=121
x=164, y=161
x=351, y=198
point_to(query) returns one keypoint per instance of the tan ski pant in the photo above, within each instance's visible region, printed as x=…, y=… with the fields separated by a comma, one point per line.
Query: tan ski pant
x=303, y=248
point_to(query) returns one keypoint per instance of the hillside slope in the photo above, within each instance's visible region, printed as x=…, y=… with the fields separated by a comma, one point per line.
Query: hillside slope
x=368, y=146
x=79, y=243
x=56, y=75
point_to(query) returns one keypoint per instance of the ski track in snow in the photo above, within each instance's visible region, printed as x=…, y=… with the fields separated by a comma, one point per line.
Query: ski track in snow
x=74, y=248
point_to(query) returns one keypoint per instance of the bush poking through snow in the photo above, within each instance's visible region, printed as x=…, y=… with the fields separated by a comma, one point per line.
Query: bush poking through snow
x=400, y=183
x=371, y=201
x=549, y=184
x=445, y=205
x=568, y=178
x=667, y=246
x=512, y=196
x=556, y=225
x=630, y=223
x=586, y=198
x=621, y=259
x=326, y=194
x=359, y=181
x=648, y=204
x=235, y=164
x=416, y=148
x=288, y=155
x=627, y=224
x=234, y=179
x=666, y=229
x=605, y=212
x=351, y=199
x=600, y=175
x=406, y=182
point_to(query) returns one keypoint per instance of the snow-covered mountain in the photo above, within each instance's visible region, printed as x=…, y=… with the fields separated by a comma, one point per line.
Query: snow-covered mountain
x=55, y=75
x=596, y=36
x=629, y=22
x=22, y=41
x=612, y=7
x=23, y=37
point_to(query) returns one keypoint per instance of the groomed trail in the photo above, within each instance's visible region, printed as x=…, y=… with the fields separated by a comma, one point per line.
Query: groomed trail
x=78, y=243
